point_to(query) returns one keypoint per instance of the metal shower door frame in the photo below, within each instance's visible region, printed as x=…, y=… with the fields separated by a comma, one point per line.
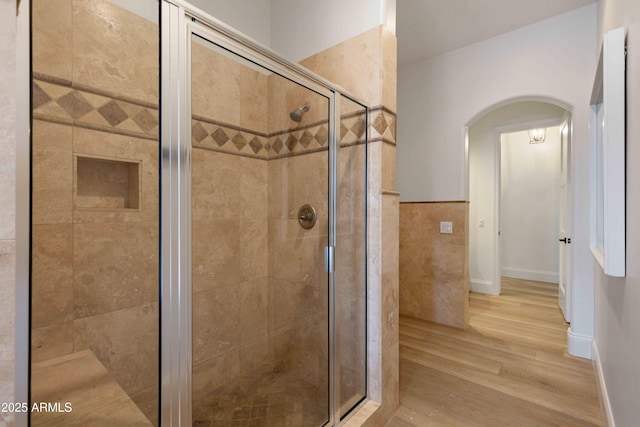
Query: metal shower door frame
x=179, y=20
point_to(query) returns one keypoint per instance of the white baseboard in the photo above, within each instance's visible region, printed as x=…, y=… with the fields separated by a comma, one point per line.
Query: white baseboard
x=483, y=287
x=538, y=276
x=579, y=345
x=604, y=395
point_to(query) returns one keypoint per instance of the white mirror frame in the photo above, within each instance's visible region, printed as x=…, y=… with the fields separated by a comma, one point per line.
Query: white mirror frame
x=608, y=168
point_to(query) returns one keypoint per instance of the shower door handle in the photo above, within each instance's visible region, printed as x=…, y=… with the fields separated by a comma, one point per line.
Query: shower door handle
x=329, y=260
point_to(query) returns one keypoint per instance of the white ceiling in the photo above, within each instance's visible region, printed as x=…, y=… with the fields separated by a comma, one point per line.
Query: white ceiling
x=427, y=28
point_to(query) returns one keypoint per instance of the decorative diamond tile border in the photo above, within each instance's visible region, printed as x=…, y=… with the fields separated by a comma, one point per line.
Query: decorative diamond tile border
x=212, y=135
x=382, y=125
x=62, y=101
x=308, y=139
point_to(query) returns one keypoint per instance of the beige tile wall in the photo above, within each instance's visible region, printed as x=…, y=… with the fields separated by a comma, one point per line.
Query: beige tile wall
x=95, y=271
x=434, y=276
x=366, y=66
x=298, y=299
x=230, y=268
x=7, y=203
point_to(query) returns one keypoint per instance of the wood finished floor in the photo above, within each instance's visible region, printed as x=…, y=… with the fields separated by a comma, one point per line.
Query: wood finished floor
x=509, y=368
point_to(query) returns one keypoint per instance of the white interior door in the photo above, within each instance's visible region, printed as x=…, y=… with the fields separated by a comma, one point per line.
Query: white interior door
x=564, y=240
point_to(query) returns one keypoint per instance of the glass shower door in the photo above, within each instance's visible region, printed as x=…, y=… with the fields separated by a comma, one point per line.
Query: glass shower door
x=94, y=307
x=260, y=225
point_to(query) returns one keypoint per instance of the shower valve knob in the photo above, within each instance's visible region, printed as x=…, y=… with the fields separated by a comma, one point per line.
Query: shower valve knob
x=307, y=216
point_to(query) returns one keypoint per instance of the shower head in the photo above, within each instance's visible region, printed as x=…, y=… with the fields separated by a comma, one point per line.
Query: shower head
x=296, y=115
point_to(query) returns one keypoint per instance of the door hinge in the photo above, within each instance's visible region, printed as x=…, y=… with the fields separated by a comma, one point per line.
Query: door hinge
x=329, y=259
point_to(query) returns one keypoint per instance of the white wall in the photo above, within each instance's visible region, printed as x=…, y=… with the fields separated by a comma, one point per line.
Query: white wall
x=251, y=17
x=483, y=137
x=303, y=28
x=529, y=206
x=296, y=29
x=555, y=58
x=618, y=300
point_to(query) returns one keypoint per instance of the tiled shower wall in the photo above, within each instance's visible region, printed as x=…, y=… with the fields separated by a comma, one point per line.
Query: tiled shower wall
x=271, y=273
x=95, y=269
x=259, y=281
x=366, y=66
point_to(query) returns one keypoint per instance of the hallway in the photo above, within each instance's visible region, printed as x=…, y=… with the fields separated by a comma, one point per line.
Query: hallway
x=509, y=368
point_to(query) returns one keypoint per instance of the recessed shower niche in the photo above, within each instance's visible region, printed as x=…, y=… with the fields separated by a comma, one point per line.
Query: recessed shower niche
x=103, y=183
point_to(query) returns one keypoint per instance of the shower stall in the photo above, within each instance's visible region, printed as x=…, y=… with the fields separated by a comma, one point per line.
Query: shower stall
x=199, y=225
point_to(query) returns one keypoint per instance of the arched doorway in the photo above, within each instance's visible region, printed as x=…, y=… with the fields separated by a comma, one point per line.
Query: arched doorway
x=515, y=220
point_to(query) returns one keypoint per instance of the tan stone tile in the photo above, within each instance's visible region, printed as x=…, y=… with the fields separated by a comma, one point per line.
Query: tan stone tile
x=350, y=259
x=390, y=306
x=52, y=38
x=434, y=266
x=216, y=255
x=148, y=401
x=301, y=349
x=295, y=255
x=254, y=255
x=351, y=312
x=7, y=299
x=96, y=398
x=8, y=163
x=308, y=178
x=254, y=188
x=95, y=118
x=278, y=207
x=215, y=372
x=125, y=342
x=96, y=101
x=388, y=167
x=254, y=358
x=375, y=180
x=216, y=322
x=115, y=50
x=352, y=183
x=291, y=302
x=353, y=64
x=51, y=341
x=56, y=91
x=254, y=99
x=215, y=89
x=52, y=173
x=254, y=299
x=52, y=109
x=77, y=370
x=390, y=233
x=52, y=274
x=115, y=266
x=215, y=185
x=7, y=387
x=389, y=68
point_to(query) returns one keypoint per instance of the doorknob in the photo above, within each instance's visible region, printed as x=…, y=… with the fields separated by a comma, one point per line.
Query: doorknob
x=566, y=240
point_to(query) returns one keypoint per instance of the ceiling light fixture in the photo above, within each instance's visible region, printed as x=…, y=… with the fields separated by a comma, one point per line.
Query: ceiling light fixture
x=537, y=136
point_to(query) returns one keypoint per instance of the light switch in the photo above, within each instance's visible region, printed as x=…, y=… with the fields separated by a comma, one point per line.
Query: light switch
x=446, y=227
x=481, y=223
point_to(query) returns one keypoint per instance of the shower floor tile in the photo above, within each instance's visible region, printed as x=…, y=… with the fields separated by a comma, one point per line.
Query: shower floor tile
x=267, y=400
